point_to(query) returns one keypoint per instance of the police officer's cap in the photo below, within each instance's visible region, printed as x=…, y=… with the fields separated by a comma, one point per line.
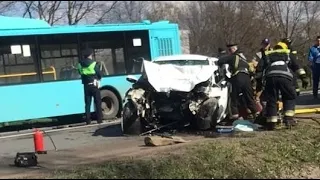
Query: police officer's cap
x=87, y=52
x=231, y=45
x=221, y=50
x=265, y=41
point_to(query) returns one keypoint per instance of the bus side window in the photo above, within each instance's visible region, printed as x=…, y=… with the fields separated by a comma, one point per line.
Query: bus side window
x=108, y=49
x=59, y=57
x=138, y=49
x=17, y=60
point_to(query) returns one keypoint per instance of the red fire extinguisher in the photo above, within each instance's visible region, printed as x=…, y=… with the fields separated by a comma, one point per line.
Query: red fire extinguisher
x=38, y=142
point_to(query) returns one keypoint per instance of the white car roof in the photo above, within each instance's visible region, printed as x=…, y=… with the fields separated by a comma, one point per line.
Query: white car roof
x=182, y=57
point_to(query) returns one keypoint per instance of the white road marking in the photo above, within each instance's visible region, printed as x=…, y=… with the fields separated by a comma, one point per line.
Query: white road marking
x=62, y=129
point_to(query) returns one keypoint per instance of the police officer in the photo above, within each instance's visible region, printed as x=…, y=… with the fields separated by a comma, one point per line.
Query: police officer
x=279, y=77
x=91, y=76
x=293, y=54
x=265, y=46
x=240, y=80
x=221, y=52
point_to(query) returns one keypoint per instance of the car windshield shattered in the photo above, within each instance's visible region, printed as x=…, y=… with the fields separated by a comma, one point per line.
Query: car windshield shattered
x=184, y=62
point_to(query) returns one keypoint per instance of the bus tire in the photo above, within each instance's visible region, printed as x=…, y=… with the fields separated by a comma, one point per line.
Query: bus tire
x=109, y=104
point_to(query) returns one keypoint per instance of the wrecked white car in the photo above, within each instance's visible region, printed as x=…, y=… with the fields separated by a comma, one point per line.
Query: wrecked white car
x=178, y=90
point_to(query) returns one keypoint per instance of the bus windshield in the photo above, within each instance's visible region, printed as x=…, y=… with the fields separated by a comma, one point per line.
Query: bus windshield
x=184, y=62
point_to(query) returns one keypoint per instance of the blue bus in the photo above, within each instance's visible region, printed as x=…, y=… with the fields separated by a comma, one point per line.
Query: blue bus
x=38, y=75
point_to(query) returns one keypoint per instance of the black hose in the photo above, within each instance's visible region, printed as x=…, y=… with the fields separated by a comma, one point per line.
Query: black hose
x=55, y=148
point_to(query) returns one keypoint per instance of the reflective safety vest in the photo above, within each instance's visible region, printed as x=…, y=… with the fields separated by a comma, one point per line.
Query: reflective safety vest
x=286, y=51
x=87, y=70
x=278, y=66
x=238, y=69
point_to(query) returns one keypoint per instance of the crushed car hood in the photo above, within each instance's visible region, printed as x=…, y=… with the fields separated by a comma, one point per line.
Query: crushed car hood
x=167, y=77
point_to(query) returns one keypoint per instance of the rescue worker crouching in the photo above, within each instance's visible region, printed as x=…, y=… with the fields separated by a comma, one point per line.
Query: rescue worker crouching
x=278, y=75
x=240, y=81
x=91, y=76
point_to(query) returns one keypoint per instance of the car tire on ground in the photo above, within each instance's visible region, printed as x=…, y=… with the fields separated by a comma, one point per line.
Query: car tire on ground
x=110, y=104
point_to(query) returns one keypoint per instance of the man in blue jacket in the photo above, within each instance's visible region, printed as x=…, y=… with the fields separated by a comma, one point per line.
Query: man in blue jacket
x=314, y=60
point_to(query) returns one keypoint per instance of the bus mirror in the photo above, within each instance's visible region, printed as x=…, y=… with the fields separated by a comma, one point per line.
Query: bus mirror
x=131, y=79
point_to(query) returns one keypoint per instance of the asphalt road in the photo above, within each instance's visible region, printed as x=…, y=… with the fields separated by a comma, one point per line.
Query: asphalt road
x=305, y=100
x=94, y=140
x=85, y=135
x=75, y=147
x=106, y=136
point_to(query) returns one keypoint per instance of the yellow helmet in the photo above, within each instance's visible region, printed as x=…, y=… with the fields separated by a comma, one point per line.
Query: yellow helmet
x=282, y=45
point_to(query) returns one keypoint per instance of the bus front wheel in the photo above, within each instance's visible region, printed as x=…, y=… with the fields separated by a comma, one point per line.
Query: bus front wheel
x=109, y=104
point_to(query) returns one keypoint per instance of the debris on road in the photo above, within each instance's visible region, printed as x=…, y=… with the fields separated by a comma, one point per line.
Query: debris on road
x=244, y=125
x=163, y=140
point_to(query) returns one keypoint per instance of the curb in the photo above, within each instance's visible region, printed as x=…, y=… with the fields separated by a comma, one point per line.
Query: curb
x=54, y=129
x=307, y=110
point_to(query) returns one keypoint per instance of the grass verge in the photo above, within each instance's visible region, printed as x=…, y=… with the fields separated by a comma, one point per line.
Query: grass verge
x=280, y=154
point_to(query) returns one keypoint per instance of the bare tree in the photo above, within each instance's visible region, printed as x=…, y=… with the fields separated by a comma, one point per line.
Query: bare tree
x=77, y=10
x=5, y=6
x=131, y=11
x=196, y=21
x=297, y=20
x=213, y=24
x=160, y=10
x=104, y=10
x=45, y=10
x=290, y=18
x=68, y=12
x=28, y=8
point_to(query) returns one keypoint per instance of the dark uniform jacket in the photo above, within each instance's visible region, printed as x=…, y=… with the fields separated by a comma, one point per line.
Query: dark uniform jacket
x=279, y=62
x=236, y=64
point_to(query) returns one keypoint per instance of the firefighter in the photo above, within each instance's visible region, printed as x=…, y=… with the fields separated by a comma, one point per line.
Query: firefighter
x=91, y=76
x=279, y=77
x=288, y=42
x=240, y=81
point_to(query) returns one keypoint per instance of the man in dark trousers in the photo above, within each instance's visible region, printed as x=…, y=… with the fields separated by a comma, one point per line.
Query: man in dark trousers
x=240, y=81
x=314, y=60
x=278, y=74
x=91, y=76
